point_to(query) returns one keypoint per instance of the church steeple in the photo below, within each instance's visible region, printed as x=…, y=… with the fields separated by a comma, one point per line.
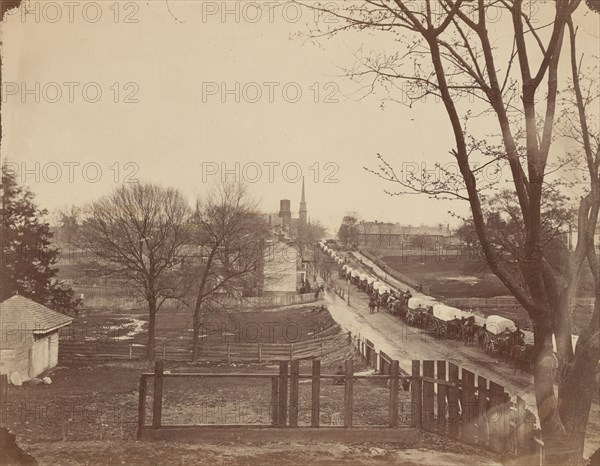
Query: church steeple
x=303, y=210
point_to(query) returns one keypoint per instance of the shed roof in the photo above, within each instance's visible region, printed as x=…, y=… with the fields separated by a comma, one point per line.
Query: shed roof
x=29, y=315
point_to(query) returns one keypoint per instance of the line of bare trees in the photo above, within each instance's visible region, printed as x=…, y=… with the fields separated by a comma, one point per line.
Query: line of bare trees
x=149, y=236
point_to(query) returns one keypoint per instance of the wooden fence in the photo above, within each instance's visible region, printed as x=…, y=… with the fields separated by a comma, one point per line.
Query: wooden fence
x=126, y=298
x=454, y=402
x=505, y=302
x=285, y=402
x=72, y=352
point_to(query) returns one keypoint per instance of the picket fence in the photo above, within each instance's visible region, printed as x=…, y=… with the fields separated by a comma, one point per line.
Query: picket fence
x=454, y=402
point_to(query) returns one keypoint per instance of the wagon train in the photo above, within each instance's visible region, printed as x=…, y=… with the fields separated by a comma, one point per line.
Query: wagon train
x=497, y=335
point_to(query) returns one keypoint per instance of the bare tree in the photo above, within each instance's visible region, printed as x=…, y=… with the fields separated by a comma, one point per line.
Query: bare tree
x=305, y=235
x=69, y=221
x=232, y=236
x=138, y=232
x=348, y=231
x=451, y=49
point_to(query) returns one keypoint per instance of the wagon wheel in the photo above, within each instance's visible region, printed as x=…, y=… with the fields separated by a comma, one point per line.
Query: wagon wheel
x=441, y=330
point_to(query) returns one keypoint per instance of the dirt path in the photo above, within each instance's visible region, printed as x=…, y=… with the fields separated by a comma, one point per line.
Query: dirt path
x=273, y=454
x=406, y=343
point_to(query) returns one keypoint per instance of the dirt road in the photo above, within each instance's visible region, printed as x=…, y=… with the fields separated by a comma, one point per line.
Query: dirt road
x=406, y=343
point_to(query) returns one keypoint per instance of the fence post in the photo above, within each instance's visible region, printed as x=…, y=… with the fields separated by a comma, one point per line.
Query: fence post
x=291, y=352
x=453, y=416
x=158, y=388
x=164, y=349
x=482, y=415
x=520, y=426
x=294, y=390
x=416, y=397
x=394, y=377
x=540, y=451
x=228, y=352
x=275, y=400
x=441, y=398
x=130, y=351
x=469, y=418
x=259, y=352
x=141, y=406
x=348, y=393
x=3, y=386
x=496, y=421
x=316, y=389
x=428, y=396
x=282, y=397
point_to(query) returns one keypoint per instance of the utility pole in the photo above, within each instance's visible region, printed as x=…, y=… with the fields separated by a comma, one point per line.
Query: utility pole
x=348, y=292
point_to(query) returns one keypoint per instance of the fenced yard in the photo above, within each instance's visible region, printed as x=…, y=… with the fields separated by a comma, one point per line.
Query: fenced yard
x=279, y=404
x=295, y=332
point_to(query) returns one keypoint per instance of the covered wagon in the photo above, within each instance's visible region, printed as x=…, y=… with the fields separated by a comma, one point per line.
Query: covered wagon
x=498, y=334
x=418, y=311
x=447, y=320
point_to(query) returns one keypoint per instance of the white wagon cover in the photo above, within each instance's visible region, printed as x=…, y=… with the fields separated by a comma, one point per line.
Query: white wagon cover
x=446, y=313
x=498, y=324
x=423, y=301
x=384, y=289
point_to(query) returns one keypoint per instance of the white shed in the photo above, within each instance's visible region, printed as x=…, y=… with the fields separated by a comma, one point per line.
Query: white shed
x=29, y=341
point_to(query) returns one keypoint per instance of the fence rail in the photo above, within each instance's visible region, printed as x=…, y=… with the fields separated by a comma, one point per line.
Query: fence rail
x=126, y=298
x=504, y=302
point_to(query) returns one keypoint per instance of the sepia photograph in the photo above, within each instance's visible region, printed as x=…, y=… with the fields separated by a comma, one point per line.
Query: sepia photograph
x=300, y=232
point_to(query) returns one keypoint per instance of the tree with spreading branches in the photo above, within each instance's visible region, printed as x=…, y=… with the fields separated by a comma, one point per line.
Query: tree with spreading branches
x=138, y=233
x=512, y=71
x=231, y=234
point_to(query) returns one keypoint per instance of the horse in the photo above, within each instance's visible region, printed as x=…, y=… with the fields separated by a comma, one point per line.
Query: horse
x=468, y=333
x=371, y=306
x=522, y=358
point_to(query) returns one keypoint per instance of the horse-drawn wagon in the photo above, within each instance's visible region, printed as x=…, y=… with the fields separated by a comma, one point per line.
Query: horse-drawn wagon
x=362, y=281
x=498, y=334
x=447, y=320
x=418, y=313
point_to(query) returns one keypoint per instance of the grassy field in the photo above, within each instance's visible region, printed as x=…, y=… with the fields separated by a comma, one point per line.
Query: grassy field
x=174, y=328
x=460, y=276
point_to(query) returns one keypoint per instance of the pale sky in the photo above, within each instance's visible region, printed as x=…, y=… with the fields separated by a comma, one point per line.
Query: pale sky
x=168, y=73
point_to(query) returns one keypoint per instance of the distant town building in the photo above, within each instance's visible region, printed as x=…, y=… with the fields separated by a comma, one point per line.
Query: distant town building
x=281, y=262
x=303, y=213
x=395, y=236
x=285, y=269
x=285, y=214
x=282, y=222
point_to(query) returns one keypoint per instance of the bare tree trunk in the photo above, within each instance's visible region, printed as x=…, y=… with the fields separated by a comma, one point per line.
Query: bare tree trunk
x=151, y=329
x=579, y=378
x=552, y=428
x=196, y=334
